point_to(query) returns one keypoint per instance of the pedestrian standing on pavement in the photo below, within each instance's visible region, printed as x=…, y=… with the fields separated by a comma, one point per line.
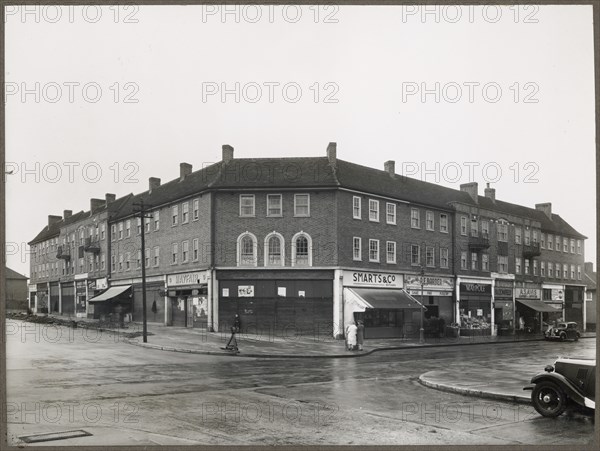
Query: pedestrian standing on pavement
x=351, y=336
x=232, y=343
x=360, y=335
x=237, y=323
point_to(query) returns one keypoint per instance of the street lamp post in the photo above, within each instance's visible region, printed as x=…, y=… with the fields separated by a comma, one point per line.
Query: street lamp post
x=142, y=216
x=421, y=330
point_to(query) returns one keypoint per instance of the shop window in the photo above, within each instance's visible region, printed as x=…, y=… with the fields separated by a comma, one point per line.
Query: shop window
x=246, y=244
x=274, y=250
x=301, y=249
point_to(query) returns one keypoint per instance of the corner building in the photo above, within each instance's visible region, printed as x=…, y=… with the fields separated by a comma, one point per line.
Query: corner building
x=306, y=245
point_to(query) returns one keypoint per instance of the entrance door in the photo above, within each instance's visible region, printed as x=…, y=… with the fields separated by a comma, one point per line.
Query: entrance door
x=189, y=312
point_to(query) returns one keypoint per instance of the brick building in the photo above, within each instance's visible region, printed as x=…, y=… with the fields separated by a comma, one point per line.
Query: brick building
x=15, y=291
x=305, y=245
x=591, y=296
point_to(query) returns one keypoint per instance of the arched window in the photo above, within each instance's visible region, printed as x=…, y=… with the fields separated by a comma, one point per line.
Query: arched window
x=246, y=249
x=274, y=250
x=301, y=249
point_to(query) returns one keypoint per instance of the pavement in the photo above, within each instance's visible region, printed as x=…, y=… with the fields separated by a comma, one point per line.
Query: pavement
x=506, y=385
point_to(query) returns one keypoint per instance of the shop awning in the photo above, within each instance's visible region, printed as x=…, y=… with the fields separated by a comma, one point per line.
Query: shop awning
x=112, y=292
x=537, y=305
x=383, y=298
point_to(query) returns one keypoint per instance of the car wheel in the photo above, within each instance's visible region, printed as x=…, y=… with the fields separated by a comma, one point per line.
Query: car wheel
x=563, y=337
x=549, y=399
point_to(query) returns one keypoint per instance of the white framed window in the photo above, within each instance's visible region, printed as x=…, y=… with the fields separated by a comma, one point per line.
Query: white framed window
x=463, y=260
x=534, y=237
x=356, y=207
x=503, y=264
x=518, y=235
x=415, y=218
x=139, y=259
x=474, y=259
x=120, y=262
x=247, y=250
x=443, y=223
x=502, y=228
x=373, y=250
x=195, y=249
x=247, y=205
x=301, y=249
x=373, y=210
x=578, y=272
x=550, y=242
x=527, y=238
x=147, y=224
x=185, y=251
x=517, y=265
x=390, y=252
x=120, y=235
x=156, y=257
x=485, y=262
x=463, y=225
x=543, y=269
x=565, y=271
x=550, y=269
x=526, y=266
x=535, y=267
x=557, y=243
x=274, y=250
x=390, y=213
x=128, y=228
x=102, y=262
x=572, y=246
x=174, y=253
x=113, y=262
x=444, y=257
x=156, y=220
x=174, y=215
x=356, y=248
x=485, y=229
x=579, y=247
x=588, y=295
x=274, y=205
x=147, y=258
x=138, y=222
x=415, y=255
x=429, y=221
x=543, y=240
x=474, y=227
x=565, y=245
x=430, y=256
x=572, y=271
x=301, y=205
x=196, y=209
x=185, y=212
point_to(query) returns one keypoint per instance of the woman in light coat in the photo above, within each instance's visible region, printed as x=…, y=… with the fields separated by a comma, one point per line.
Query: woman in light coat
x=351, y=336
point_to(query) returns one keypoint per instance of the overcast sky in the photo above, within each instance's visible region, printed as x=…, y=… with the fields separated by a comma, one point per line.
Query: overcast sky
x=98, y=100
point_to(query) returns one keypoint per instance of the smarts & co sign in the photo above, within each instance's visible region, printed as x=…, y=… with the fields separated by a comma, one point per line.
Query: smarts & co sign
x=372, y=279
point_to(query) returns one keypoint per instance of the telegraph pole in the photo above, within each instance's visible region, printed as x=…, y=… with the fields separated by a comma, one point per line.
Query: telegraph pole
x=142, y=215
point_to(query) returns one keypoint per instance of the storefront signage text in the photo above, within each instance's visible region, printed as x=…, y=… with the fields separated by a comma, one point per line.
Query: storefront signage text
x=475, y=288
x=528, y=293
x=188, y=278
x=429, y=282
x=372, y=279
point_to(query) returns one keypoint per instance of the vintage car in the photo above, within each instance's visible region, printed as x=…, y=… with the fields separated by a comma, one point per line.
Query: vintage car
x=562, y=332
x=568, y=381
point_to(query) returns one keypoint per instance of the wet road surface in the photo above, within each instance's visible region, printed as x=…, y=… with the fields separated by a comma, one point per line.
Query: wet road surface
x=61, y=379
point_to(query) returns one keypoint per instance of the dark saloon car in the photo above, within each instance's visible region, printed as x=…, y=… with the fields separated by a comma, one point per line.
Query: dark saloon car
x=568, y=381
x=562, y=332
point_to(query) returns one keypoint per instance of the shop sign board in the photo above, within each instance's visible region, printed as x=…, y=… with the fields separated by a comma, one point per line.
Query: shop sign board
x=187, y=278
x=372, y=279
x=245, y=291
x=528, y=293
x=475, y=288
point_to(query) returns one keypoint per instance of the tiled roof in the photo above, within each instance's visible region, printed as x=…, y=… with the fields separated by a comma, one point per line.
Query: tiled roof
x=11, y=274
x=591, y=280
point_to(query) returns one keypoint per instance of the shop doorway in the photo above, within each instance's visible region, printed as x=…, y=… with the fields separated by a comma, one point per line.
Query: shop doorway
x=189, y=313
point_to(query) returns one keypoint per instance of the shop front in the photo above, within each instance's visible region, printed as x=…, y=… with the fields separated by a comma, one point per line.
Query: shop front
x=187, y=304
x=94, y=288
x=436, y=296
x=67, y=298
x=530, y=309
x=504, y=306
x=32, y=290
x=112, y=304
x=81, y=297
x=553, y=295
x=574, y=303
x=475, y=306
x=42, y=298
x=380, y=301
x=278, y=303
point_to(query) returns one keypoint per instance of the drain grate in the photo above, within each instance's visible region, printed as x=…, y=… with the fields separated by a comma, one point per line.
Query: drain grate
x=54, y=436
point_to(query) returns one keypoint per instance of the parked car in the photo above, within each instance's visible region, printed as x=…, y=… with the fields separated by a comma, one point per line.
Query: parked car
x=568, y=381
x=562, y=332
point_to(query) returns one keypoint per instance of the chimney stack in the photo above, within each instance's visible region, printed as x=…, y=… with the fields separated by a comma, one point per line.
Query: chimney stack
x=96, y=203
x=185, y=169
x=153, y=183
x=390, y=167
x=110, y=198
x=546, y=208
x=490, y=193
x=227, y=153
x=52, y=219
x=588, y=267
x=471, y=189
x=332, y=153
x=67, y=213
